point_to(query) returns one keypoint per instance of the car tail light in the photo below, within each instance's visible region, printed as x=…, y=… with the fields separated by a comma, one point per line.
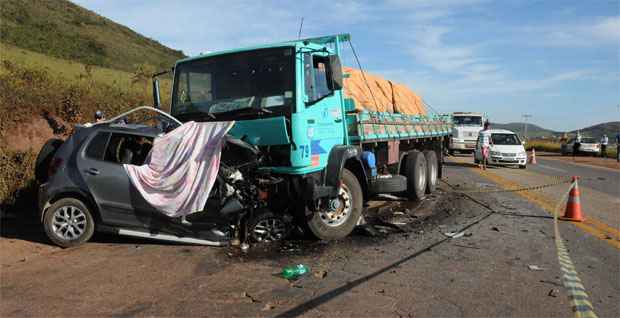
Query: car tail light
x=54, y=166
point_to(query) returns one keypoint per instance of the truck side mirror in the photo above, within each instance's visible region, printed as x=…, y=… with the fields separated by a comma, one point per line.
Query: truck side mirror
x=335, y=69
x=156, y=98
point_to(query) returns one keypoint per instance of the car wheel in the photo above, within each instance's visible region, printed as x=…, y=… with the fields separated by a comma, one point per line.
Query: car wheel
x=44, y=157
x=416, y=175
x=267, y=226
x=431, y=171
x=339, y=221
x=68, y=222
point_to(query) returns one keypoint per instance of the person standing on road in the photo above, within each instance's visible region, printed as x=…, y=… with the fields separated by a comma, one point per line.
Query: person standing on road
x=618, y=147
x=485, y=142
x=604, y=142
x=576, y=145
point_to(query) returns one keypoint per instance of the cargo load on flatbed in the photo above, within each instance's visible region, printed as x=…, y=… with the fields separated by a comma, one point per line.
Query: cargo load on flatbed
x=377, y=94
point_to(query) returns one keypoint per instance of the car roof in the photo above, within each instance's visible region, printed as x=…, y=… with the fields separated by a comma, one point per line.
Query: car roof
x=500, y=131
x=143, y=130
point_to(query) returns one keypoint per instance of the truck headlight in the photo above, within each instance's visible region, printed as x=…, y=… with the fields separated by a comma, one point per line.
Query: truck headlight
x=495, y=153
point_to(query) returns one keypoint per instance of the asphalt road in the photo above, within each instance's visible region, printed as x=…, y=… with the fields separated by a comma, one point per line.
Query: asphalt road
x=410, y=268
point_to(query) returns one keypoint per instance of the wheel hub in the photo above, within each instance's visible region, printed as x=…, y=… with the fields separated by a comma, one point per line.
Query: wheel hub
x=339, y=209
x=69, y=222
x=269, y=230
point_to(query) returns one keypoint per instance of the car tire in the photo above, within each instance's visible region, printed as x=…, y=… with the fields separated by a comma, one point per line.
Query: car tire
x=416, y=175
x=328, y=225
x=522, y=166
x=267, y=226
x=44, y=157
x=432, y=166
x=72, y=216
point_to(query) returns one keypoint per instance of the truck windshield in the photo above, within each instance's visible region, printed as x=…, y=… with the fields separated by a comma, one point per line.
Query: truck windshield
x=254, y=80
x=467, y=120
x=505, y=139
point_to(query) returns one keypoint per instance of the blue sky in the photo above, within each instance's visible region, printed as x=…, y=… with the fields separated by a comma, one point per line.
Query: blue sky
x=556, y=60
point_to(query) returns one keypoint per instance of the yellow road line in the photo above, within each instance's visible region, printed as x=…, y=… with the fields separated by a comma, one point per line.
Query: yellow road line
x=591, y=226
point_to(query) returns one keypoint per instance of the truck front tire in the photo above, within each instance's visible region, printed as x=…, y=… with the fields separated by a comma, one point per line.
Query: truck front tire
x=338, y=221
x=416, y=175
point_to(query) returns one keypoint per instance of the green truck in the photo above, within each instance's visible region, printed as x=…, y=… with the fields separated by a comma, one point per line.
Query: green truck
x=287, y=101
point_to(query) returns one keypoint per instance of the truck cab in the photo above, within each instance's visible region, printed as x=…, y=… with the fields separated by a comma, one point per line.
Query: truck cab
x=465, y=129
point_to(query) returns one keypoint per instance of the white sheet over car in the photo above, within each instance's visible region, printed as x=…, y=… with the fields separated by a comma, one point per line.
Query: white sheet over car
x=181, y=169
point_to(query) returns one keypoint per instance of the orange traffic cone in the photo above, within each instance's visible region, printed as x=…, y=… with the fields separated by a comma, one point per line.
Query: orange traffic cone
x=533, y=157
x=573, y=205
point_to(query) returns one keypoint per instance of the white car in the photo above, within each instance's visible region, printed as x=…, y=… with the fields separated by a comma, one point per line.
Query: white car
x=587, y=146
x=506, y=149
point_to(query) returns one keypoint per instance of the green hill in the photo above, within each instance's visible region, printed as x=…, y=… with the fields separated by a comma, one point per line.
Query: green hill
x=533, y=131
x=64, y=30
x=610, y=129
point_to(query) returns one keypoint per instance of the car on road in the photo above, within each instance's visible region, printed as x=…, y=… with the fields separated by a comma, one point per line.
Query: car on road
x=506, y=149
x=84, y=188
x=587, y=146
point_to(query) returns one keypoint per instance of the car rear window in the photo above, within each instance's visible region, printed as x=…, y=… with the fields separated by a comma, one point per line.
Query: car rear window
x=97, y=145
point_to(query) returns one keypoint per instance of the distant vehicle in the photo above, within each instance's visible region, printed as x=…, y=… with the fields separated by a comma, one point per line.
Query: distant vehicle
x=506, y=149
x=466, y=126
x=588, y=146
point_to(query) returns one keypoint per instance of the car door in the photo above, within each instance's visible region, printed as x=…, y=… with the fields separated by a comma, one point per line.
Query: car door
x=119, y=202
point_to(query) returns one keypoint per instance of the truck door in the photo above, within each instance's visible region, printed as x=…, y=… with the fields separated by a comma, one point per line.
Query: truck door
x=319, y=122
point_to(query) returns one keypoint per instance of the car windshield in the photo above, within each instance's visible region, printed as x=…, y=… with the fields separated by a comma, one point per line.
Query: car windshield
x=468, y=120
x=588, y=141
x=505, y=139
x=259, y=79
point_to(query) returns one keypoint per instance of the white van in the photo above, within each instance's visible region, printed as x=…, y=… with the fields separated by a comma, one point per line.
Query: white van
x=506, y=149
x=466, y=126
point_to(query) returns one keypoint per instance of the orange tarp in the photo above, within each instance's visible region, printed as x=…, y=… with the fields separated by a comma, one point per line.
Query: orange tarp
x=388, y=96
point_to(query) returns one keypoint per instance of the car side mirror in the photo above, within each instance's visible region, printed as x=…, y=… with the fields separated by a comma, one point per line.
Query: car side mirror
x=335, y=70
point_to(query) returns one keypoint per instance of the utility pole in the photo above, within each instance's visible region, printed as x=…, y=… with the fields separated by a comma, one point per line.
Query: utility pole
x=525, y=117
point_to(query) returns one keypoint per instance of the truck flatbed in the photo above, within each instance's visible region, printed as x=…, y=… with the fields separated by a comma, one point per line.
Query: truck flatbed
x=368, y=126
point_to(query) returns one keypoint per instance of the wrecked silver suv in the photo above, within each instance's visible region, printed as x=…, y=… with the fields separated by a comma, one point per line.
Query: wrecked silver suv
x=84, y=188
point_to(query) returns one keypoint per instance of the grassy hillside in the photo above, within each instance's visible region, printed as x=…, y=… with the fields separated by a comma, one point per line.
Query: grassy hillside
x=611, y=129
x=533, y=131
x=64, y=30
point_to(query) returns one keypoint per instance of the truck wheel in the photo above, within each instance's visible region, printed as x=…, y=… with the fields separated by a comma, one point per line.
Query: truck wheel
x=44, y=157
x=416, y=175
x=339, y=221
x=431, y=171
x=68, y=222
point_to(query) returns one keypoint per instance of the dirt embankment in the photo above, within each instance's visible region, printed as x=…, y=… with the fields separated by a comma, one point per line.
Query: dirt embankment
x=36, y=106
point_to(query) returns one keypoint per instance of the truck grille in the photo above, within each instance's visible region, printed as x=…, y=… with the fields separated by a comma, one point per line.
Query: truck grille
x=508, y=154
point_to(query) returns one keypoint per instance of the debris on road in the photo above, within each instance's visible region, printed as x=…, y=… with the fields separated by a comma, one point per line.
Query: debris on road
x=457, y=234
x=250, y=297
x=495, y=228
x=320, y=274
x=294, y=272
x=553, y=293
x=244, y=247
x=268, y=306
x=535, y=268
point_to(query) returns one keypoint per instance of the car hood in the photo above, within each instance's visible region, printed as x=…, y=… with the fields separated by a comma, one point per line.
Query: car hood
x=508, y=148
